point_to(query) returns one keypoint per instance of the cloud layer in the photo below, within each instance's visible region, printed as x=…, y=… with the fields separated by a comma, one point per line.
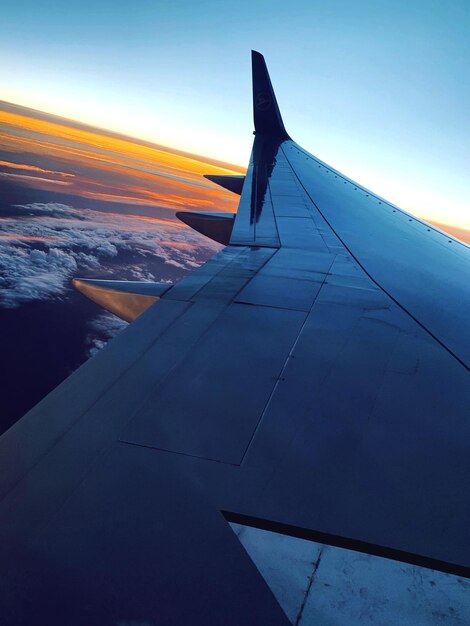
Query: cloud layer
x=46, y=244
x=102, y=329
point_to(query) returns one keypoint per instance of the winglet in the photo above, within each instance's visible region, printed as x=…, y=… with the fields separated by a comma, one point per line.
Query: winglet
x=267, y=117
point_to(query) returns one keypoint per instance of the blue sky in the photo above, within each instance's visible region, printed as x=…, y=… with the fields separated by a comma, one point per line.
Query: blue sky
x=380, y=90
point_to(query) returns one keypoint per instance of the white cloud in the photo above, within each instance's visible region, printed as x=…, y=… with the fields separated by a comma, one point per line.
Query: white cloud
x=49, y=208
x=102, y=329
x=71, y=240
x=33, y=274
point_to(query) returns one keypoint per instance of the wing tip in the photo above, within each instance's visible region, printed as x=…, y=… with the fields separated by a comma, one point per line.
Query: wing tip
x=266, y=113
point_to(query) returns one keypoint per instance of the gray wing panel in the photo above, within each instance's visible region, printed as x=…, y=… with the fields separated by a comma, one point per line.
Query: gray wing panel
x=425, y=270
x=363, y=405
x=98, y=532
x=366, y=435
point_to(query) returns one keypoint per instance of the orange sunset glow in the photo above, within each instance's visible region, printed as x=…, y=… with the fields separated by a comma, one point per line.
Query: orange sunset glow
x=102, y=166
x=114, y=170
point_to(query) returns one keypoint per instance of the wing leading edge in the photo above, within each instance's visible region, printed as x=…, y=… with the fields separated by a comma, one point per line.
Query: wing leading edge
x=292, y=382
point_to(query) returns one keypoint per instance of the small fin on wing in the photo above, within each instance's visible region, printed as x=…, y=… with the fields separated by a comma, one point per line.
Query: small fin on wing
x=266, y=114
x=216, y=226
x=126, y=299
x=232, y=183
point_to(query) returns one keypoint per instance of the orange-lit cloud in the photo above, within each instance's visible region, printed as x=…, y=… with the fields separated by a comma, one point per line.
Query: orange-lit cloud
x=31, y=168
x=183, y=245
x=33, y=179
x=19, y=237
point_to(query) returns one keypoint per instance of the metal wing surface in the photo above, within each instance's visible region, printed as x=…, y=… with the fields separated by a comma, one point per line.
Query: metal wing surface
x=312, y=378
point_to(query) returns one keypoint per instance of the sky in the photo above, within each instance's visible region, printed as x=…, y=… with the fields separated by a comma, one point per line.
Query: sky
x=379, y=90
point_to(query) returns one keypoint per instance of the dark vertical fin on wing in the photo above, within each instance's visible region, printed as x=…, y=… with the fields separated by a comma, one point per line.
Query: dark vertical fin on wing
x=267, y=117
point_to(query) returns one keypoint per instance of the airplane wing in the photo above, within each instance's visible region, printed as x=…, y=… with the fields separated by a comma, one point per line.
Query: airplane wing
x=312, y=378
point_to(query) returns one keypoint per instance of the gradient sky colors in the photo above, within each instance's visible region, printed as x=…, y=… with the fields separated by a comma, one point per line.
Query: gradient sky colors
x=378, y=89
x=102, y=166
